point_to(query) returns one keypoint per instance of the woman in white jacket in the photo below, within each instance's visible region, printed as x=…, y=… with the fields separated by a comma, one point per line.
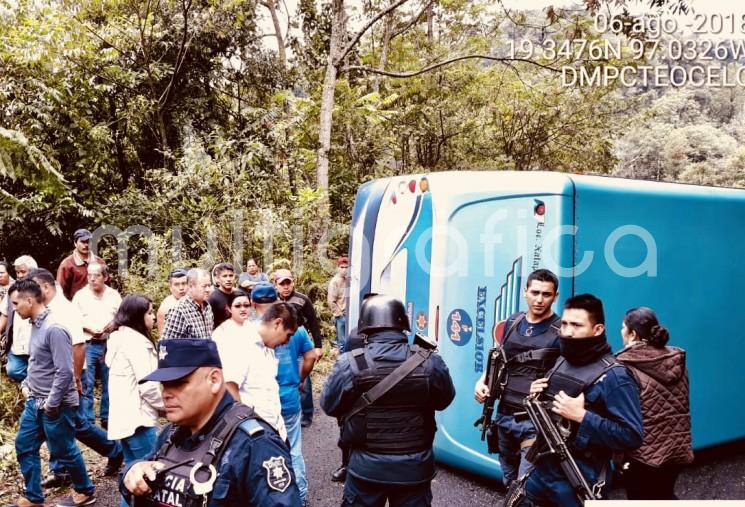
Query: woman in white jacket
x=131, y=355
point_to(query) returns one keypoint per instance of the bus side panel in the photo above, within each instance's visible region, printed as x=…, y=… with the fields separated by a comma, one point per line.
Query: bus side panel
x=487, y=248
x=678, y=250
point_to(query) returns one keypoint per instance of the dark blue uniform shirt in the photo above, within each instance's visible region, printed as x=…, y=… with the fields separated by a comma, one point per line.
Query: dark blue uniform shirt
x=242, y=479
x=613, y=422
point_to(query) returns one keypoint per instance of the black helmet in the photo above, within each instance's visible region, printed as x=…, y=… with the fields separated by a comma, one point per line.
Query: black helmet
x=382, y=312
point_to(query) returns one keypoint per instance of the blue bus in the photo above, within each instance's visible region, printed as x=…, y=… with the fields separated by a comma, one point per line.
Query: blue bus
x=456, y=248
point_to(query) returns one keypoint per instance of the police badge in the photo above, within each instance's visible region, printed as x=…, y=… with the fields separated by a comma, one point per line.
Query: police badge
x=277, y=475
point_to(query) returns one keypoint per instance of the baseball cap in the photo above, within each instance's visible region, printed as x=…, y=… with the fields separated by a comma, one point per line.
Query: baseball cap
x=282, y=274
x=179, y=357
x=264, y=293
x=177, y=273
x=83, y=234
x=342, y=261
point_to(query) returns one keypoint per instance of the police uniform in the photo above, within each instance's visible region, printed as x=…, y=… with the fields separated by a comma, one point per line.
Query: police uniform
x=391, y=439
x=531, y=350
x=613, y=422
x=235, y=459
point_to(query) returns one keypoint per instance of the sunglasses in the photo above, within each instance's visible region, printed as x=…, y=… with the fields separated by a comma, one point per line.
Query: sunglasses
x=242, y=305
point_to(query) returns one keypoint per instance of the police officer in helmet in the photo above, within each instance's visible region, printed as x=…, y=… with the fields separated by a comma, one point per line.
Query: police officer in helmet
x=216, y=451
x=390, y=430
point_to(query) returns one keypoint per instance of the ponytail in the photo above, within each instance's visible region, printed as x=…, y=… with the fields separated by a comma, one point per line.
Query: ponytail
x=644, y=322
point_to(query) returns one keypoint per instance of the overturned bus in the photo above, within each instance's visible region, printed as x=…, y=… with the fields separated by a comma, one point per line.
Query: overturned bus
x=456, y=248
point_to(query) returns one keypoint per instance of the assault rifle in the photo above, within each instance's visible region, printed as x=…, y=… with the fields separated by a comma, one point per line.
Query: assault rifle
x=552, y=436
x=495, y=379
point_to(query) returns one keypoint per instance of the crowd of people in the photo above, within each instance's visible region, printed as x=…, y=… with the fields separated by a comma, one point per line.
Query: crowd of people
x=64, y=334
x=230, y=372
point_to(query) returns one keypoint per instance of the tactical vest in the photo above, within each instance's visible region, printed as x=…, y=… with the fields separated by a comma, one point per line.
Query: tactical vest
x=528, y=359
x=573, y=380
x=190, y=475
x=402, y=421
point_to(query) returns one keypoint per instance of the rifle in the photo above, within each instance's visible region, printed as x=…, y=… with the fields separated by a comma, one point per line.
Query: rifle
x=495, y=379
x=553, y=436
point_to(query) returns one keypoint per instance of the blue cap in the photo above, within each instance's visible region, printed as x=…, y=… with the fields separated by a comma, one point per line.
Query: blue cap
x=263, y=293
x=179, y=357
x=82, y=234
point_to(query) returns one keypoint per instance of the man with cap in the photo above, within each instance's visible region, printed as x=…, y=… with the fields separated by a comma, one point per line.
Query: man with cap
x=389, y=433
x=307, y=317
x=338, y=296
x=72, y=274
x=215, y=451
x=290, y=377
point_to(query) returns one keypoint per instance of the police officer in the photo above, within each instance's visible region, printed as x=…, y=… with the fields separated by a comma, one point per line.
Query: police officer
x=390, y=434
x=216, y=451
x=531, y=345
x=593, y=391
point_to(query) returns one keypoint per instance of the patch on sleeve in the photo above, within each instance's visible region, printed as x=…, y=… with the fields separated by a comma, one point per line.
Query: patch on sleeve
x=277, y=475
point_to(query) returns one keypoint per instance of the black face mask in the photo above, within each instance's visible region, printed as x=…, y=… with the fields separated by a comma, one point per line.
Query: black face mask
x=579, y=351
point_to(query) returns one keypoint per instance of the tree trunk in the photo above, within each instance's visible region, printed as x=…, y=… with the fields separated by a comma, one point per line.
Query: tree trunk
x=430, y=21
x=117, y=135
x=327, y=99
x=383, y=51
x=277, y=33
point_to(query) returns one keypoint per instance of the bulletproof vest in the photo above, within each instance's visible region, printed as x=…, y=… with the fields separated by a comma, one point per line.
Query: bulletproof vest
x=402, y=421
x=194, y=471
x=575, y=379
x=528, y=359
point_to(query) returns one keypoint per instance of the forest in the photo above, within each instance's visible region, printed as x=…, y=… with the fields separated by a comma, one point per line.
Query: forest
x=201, y=121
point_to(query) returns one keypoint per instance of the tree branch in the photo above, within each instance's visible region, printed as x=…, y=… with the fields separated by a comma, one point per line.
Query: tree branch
x=413, y=20
x=365, y=28
x=414, y=73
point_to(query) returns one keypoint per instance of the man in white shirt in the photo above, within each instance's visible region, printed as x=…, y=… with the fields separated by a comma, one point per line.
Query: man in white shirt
x=20, y=329
x=97, y=304
x=64, y=313
x=251, y=370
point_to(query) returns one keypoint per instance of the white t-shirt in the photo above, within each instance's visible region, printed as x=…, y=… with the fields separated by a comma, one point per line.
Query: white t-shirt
x=66, y=314
x=96, y=312
x=253, y=367
x=21, y=330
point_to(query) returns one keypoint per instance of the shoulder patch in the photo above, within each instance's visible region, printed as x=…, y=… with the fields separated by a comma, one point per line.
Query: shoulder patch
x=252, y=427
x=277, y=474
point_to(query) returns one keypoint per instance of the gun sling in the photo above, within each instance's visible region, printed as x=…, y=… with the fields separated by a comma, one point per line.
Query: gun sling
x=388, y=383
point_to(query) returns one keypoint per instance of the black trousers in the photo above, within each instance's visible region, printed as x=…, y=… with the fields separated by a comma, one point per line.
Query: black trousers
x=644, y=482
x=359, y=493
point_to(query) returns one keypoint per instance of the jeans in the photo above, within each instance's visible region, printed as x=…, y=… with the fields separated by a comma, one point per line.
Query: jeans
x=137, y=446
x=512, y=437
x=17, y=367
x=294, y=435
x=306, y=399
x=35, y=427
x=341, y=332
x=95, y=354
x=90, y=435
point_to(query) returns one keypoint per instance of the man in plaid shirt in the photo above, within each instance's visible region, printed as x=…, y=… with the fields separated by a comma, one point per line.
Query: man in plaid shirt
x=192, y=316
